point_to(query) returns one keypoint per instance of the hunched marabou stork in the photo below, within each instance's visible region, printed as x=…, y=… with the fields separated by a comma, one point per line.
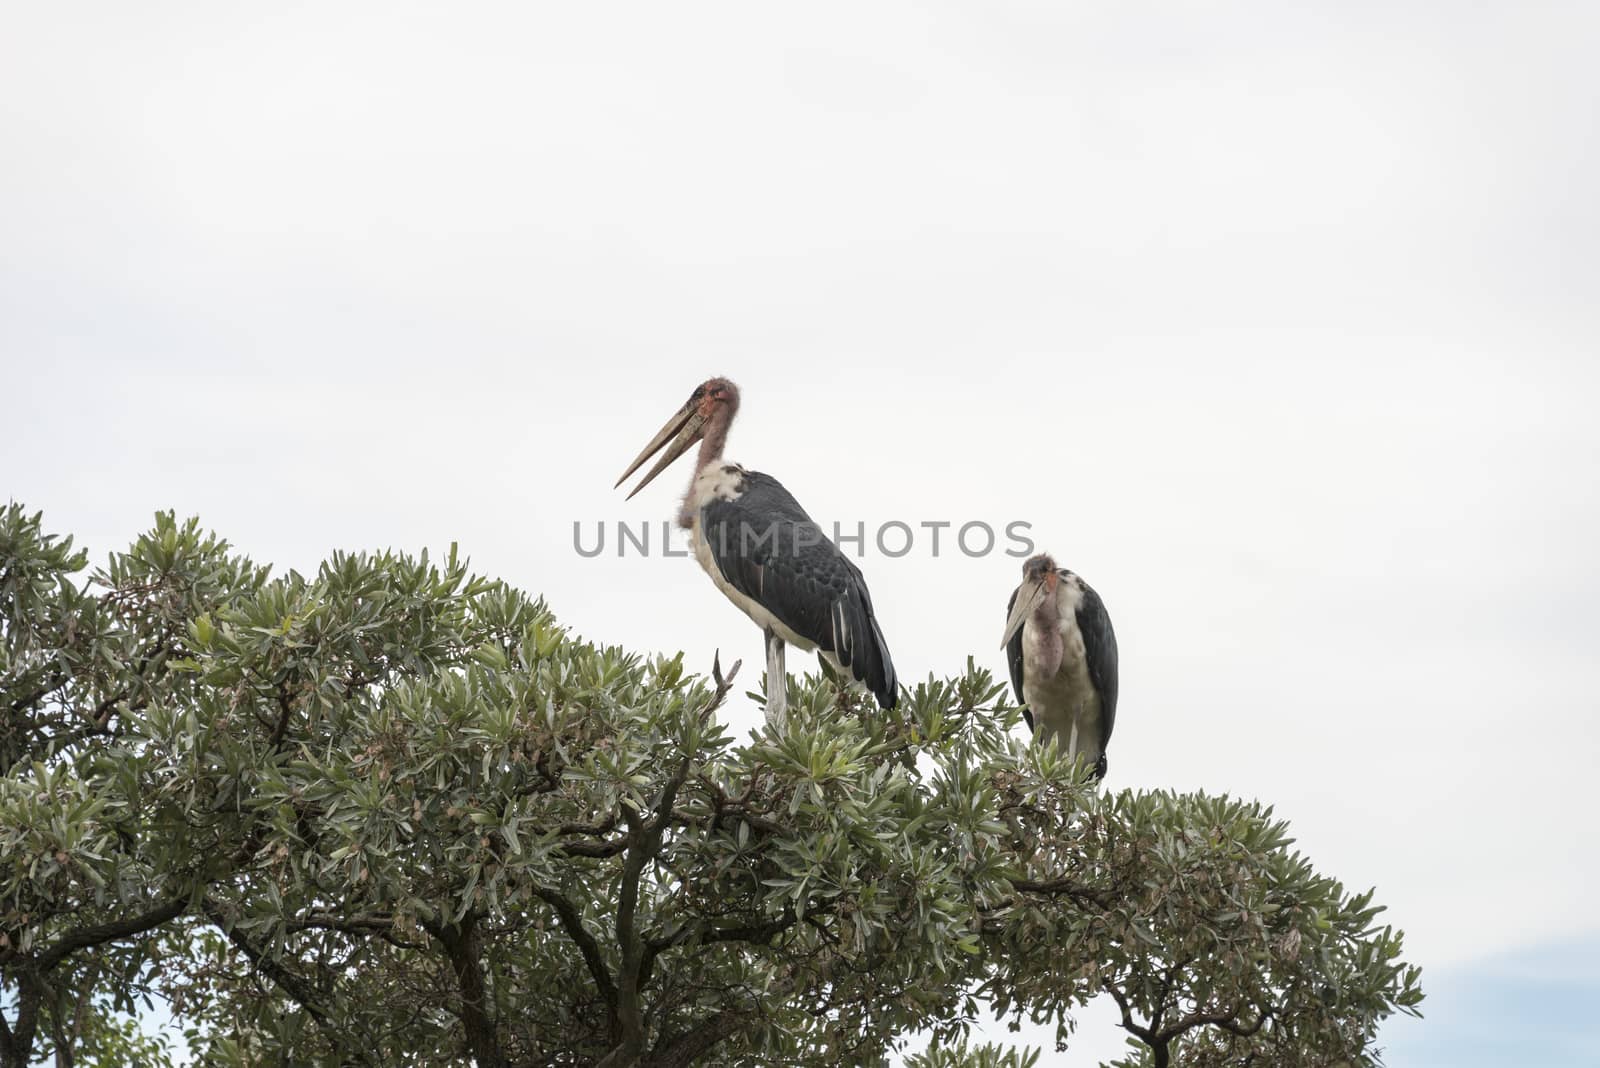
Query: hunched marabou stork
x=764, y=552
x=1063, y=657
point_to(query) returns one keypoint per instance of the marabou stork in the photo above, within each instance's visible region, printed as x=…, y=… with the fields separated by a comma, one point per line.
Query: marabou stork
x=1063, y=657
x=763, y=551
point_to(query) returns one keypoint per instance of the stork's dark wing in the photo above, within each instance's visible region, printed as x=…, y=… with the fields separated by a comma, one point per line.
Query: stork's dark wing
x=1014, y=658
x=1100, y=650
x=768, y=549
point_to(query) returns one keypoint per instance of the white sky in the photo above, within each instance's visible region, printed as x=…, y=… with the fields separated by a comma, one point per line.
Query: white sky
x=1277, y=325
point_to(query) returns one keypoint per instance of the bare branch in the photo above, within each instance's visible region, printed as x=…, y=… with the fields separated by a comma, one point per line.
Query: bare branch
x=1128, y=1025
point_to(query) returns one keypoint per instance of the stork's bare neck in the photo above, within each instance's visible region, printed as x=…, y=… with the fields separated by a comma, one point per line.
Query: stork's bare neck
x=1044, y=628
x=710, y=453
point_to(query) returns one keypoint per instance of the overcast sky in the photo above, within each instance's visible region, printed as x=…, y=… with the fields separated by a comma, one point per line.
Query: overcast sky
x=1278, y=323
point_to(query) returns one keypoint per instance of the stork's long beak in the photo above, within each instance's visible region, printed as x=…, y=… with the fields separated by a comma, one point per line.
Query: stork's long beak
x=688, y=424
x=1029, y=594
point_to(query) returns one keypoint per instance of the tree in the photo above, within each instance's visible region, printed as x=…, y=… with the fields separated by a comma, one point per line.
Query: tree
x=429, y=824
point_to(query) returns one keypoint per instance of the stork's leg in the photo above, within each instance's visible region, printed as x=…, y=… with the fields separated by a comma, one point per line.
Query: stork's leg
x=1072, y=742
x=777, y=681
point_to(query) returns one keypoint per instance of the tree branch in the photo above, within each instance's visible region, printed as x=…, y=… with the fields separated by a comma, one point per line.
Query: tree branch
x=684, y=1049
x=22, y=704
x=298, y=989
x=629, y=1029
x=461, y=946
x=17, y=1048
x=572, y=924
x=285, y=713
x=1141, y=1033
x=755, y=934
x=597, y=850
x=110, y=932
x=644, y=842
x=1065, y=887
x=382, y=926
x=1228, y=1021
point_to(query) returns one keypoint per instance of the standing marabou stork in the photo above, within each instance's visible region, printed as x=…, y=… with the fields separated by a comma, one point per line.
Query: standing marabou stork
x=1063, y=657
x=763, y=551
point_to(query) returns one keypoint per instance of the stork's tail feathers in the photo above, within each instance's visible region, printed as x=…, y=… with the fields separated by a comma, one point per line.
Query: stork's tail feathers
x=859, y=648
x=880, y=671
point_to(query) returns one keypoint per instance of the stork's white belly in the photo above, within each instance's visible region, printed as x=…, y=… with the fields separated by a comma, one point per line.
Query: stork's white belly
x=1067, y=698
x=720, y=482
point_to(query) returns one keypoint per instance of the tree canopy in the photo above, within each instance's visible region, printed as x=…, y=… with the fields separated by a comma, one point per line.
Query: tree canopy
x=393, y=813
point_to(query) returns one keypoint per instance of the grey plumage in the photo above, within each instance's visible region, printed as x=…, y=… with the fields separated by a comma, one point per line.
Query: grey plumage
x=770, y=550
